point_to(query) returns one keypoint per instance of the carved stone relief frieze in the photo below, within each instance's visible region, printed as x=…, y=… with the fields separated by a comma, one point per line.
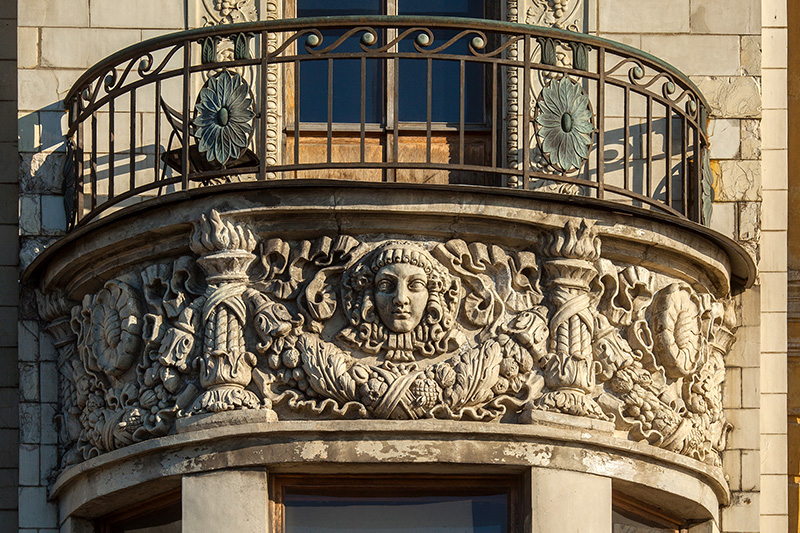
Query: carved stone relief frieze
x=346, y=327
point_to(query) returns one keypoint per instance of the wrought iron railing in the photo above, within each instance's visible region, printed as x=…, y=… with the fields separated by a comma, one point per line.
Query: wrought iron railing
x=391, y=99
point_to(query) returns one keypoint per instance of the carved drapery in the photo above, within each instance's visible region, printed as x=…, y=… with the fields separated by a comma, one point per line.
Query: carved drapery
x=342, y=327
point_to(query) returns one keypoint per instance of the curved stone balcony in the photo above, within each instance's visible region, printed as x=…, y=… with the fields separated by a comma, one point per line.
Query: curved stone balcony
x=543, y=295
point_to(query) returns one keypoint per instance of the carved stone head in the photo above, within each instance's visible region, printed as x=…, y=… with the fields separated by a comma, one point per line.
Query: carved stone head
x=399, y=299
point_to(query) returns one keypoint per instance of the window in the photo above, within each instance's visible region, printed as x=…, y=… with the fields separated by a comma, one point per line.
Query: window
x=339, y=504
x=161, y=514
x=631, y=516
x=430, y=112
x=409, y=80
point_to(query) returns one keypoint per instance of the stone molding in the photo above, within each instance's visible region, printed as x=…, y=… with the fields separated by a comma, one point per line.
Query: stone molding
x=245, y=440
x=348, y=326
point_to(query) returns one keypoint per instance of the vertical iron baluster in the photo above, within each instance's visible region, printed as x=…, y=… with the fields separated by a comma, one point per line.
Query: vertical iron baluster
x=526, y=113
x=396, y=117
x=649, y=148
x=429, y=110
x=79, y=185
x=330, y=109
x=363, y=108
x=261, y=149
x=93, y=162
x=157, y=139
x=684, y=167
x=493, y=124
x=668, y=157
x=601, y=120
x=626, y=111
x=296, y=112
x=698, y=178
x=133, y=141
x=461, y=111
x=111, y=148
x=187, y=58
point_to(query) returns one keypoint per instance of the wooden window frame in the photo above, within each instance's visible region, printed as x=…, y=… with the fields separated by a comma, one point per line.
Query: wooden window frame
x=394, y=486
x=647, y=514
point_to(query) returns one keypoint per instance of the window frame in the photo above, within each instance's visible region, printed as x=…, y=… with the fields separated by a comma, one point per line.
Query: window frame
x=388, y=105
x=394, y=485
x=649, y=515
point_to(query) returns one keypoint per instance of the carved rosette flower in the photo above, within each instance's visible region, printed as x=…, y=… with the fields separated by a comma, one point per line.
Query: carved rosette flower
x=110, y=336
x=563, y=124
x=223, y=116
x=675, y=320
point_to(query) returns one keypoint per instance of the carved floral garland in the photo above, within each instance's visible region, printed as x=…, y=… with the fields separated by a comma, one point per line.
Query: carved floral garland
x=343, y=328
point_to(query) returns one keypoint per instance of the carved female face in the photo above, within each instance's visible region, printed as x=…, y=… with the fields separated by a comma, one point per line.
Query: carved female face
x=401, y=295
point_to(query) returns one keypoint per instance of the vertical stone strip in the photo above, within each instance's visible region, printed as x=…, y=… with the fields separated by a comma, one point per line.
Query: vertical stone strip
x=226, y=500
x=555, y=495
x=55, y=309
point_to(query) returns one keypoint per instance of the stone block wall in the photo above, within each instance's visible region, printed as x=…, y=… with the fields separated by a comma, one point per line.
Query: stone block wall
x=57, y=41
x=736, y=53
x=9, y=403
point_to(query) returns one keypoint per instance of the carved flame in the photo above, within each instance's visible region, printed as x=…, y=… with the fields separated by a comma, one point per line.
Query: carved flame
x=212, y=234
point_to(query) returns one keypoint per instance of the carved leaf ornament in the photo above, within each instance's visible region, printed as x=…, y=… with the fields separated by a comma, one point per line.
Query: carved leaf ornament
x=392, y=329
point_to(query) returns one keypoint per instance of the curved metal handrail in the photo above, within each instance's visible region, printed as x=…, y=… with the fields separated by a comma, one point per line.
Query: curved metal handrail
x=640, y=106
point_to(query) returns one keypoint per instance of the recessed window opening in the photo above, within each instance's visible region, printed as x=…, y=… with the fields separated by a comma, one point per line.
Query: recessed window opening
x=395, y=504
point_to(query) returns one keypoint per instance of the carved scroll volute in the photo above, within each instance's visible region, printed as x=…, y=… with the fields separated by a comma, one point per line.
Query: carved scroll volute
x=226, y=367
x=568, y=271
x=54, y=309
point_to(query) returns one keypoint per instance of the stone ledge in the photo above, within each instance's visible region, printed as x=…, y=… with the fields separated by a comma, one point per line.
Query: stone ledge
x=383, y=446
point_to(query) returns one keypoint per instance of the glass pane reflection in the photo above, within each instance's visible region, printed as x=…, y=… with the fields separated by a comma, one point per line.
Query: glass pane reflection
x=423, y=514
x=346, y=87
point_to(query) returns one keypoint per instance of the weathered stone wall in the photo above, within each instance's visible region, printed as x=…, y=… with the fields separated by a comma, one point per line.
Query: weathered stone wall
x=9, y=421
x=58, y=40
x=719, y=45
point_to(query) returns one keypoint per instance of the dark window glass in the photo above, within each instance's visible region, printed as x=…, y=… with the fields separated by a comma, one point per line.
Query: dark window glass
x=417, y=514
x=445, y=82
x=313, y=82
x=151, y=517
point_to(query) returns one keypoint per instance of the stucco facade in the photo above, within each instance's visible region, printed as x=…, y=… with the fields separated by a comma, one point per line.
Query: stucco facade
x=592, y=348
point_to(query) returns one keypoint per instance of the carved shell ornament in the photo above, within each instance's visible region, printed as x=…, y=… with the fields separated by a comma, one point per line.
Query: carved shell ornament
x=563, y=122
x=369, y=327
x=223, y=117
